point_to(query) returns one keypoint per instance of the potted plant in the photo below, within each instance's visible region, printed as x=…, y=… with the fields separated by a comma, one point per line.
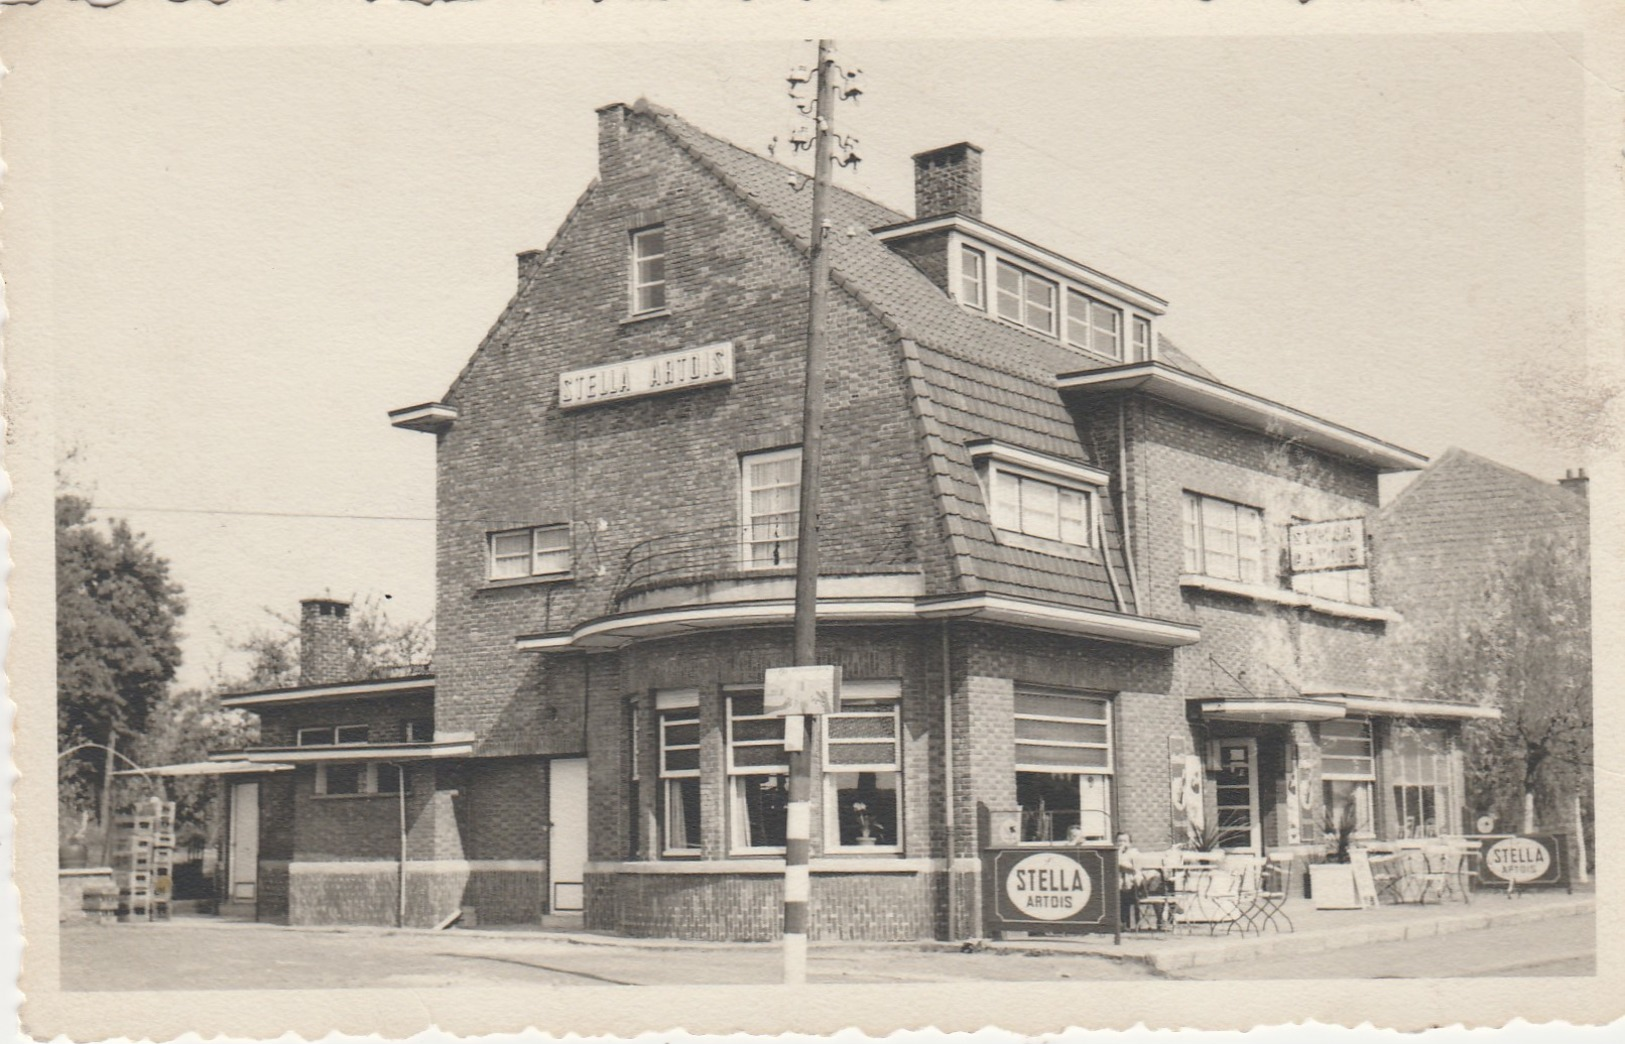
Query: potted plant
x=1331, y=883
x=866, y=824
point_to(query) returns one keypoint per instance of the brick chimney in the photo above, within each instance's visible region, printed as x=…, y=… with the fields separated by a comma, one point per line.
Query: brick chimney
x=324, y=627
x=1575, y=480
x=948, y=181
x=612, y=121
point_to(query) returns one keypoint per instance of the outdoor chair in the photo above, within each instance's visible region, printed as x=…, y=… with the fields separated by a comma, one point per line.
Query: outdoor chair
x=1445, y=873
x=1267, y=911
x=1155, y=898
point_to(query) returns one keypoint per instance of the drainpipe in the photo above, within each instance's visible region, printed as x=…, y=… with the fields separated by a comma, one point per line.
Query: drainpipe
x=1122, y=504
x=400, y=804
x=948, y=778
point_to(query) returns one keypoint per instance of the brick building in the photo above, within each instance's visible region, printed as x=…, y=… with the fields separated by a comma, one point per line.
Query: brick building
x=1077, y=585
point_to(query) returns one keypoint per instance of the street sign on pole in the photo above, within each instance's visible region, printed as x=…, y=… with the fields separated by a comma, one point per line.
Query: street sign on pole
x=811, y=690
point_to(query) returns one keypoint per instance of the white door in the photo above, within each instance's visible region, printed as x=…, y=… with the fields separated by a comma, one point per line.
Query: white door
x=567, y=834
x=1235, y=793
x=244, y=842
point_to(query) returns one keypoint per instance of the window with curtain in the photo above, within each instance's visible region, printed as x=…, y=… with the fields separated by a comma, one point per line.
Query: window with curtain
x=1064, y=765
x=771, y=488
x=679, y=725
x=758, y=776
x=862, y=762
x=1348, y=773
x=1420, y=758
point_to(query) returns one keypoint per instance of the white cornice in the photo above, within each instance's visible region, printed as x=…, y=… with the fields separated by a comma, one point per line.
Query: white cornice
x=427, y=416
x=342, y=690
x=1030, y=252
x=1244, y=409
x=1041, y=462
x=458, y=746
x=607, y=632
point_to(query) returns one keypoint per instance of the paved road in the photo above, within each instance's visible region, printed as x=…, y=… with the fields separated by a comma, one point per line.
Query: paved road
x=1562, y=946
x=183, y=956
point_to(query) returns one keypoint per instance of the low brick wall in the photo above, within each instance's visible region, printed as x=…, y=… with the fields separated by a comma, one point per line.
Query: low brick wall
x=367, y=892
x=71, y=887
x=271, y=892
x=749, y=907
x=507, y=894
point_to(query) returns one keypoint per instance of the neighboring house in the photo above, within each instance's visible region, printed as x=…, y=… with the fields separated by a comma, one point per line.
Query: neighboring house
x=1078, y=586
x=1462, y=526
x=344, y=791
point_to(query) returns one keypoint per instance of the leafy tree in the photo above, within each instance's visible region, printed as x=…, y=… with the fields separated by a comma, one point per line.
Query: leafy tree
x=117, y=639
x=377, y=647
x=185, y=726
x=1523, y=646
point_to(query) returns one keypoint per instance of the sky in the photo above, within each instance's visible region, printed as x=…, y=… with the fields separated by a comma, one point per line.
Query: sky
x=258, y=248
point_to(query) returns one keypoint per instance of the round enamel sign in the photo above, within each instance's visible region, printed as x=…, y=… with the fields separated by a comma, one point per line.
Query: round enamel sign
x=1048, y=886
x=1518, y=859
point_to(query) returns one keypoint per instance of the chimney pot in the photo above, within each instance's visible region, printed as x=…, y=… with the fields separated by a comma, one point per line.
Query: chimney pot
x=324, y=631
x=1575, y=480
x=948, y=181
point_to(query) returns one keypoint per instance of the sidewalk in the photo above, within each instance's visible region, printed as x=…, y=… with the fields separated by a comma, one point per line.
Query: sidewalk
x=1316, y=931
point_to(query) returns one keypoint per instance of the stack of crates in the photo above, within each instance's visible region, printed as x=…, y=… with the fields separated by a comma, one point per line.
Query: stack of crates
x=144, y=859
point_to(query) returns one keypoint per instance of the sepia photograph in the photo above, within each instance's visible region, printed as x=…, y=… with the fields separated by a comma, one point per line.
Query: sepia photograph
x=1037, y=526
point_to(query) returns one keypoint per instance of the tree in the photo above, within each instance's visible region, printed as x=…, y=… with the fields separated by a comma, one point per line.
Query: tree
x=377, y=647
x=117, y=637
x=186, y=725
x=1523, y=646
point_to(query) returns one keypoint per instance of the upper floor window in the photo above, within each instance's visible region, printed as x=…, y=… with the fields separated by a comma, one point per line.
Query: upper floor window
x=770, y=485
x=1027, y=298
x=1142, y=339
x=649, y=270
x=1223, y=539
x=332, y=736
x=973, y=277
x=1094, y=325
x=1039, y=508
x=537, y=551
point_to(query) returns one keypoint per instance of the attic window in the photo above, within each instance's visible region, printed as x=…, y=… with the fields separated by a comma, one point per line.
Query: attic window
x=1026, y=298
x=1038, y=502
x=1094, y=325
x=649, y=270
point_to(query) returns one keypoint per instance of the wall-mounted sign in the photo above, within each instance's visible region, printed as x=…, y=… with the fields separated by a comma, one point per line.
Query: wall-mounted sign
x=1073, y=889
x=801, y=690
x=1337, y=543
x=634, y=378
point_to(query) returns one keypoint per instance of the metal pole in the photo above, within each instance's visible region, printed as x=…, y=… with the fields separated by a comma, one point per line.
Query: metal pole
x=798, y=816
x=400, y=804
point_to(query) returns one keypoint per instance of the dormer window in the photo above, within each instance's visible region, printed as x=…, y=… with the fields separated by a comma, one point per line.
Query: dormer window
x=1026, y=298
x=1142, y=339
x=1039, y=502
x=1094, y=325
x=973, y=278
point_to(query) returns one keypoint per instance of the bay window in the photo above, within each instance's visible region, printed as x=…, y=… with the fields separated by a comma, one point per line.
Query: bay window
x=1064, y=765
x=679, y=723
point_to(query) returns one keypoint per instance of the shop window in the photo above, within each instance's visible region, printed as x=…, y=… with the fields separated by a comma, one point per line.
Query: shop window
x=1063, y=754
x=1349, y=775
x=679, y=716
x=536, y=551
x=1223, y=539
x=758, y=776
x=1026, y=298
x=340, y=779
x=332, y=736
x=973, y=278
x=649, y=270
x=1094, y=325
x=771, y=488
x=862, y=770
x=1420, y=759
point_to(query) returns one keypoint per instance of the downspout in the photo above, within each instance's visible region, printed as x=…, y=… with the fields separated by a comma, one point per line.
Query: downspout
x=400, y=803
x=1106, y=557
x=1122, y=508
x=948, y=778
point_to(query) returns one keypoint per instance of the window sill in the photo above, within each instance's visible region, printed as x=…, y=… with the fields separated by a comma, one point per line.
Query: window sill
x=833, y=864
x=643, y=317
x=1053, y=548
x=352, y=797
x=526, y=581
x=1279, y=596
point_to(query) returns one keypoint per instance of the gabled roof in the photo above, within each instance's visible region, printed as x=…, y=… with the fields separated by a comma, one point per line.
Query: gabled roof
x=1464, y=500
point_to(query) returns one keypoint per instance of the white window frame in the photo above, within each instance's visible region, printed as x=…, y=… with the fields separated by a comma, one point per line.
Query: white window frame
x=1094, y=781
x=1202, y=516
x=1027, y=311
x=862, y=700
x=1142, y=338
x=540, y=559
x=1407, y=772
x=1362, y=772
x=1086, y=330
x=750, y=540
x=641, y=287
x=1003, y=468
x=371, y=772
x=737, y=774
x=973, y=277
x=332, y=734
x=676, y=708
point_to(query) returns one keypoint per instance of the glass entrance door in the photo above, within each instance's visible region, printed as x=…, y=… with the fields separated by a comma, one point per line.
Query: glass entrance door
x=1235, y=791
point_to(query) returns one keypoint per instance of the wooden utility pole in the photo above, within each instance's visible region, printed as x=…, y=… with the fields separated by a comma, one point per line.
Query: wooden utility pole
x=107, y=797
x=798, y=816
